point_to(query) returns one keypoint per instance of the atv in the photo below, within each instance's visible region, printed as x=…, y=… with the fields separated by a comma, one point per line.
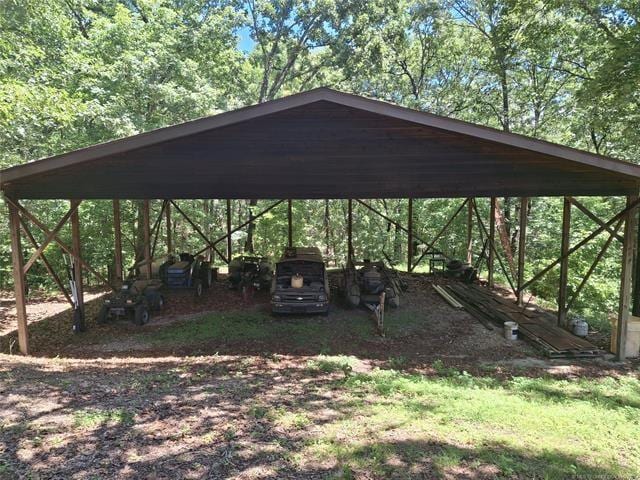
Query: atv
x=135, y=299
x=187, y=272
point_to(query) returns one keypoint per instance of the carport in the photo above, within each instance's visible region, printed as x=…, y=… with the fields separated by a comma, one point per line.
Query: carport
x=326, y=144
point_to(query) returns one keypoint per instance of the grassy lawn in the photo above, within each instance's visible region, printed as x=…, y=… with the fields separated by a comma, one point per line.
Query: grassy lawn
x=524, y=427
x=309, y=417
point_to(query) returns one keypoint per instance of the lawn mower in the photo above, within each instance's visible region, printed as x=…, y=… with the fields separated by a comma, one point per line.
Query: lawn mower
x=365, y=281
x=250, y=272
x=188, y=272
x=135, y=299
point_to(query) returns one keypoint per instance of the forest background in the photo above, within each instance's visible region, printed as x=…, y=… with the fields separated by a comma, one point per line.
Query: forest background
x=79, y=72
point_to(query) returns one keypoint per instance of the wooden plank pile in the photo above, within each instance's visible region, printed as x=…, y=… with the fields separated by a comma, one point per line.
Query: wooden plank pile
x=534, y=326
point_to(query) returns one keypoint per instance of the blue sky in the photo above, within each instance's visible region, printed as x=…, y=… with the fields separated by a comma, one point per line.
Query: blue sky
x=245, y=43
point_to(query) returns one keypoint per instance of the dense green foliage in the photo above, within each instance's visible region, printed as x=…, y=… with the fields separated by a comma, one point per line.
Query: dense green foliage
x=79, y=72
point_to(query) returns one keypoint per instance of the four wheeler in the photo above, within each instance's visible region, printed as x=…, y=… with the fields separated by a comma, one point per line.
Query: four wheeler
x=135, y=299
x=365, y=281
x=187, y=272
x=250, y=271
x=300, y=284
x=461, y=271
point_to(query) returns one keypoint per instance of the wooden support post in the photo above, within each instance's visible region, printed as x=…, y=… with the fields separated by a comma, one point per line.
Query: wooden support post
x=169, y=225
x=19, y=279
x=635, y=303
x=522, y=241
x=628, y=248
x=229, y=243
x=410, y=236
x=470, y=231
x=117, y=243
x=564, y=263
x=290, y=223
x=147, y=238
x=77, y=253
x=349, y=229
x=492, y=238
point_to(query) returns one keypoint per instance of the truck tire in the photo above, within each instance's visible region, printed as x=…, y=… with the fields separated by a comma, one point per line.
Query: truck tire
x=141, y=315
x=207, y=276
x=197, y=285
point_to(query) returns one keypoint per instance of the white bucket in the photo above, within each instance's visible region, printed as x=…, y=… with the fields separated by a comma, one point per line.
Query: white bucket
x=297, y=281
x=580, y=328
x=511, y=330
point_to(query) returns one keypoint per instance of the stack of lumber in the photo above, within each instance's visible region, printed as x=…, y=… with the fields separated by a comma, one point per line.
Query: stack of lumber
x=534, y=326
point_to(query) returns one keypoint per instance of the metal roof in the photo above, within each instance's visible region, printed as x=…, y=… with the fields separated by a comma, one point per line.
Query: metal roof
x=321, y=144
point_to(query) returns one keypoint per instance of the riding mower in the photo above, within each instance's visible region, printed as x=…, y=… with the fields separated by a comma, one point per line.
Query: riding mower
x=188, y=272
x=135, y=299
x=250, y=272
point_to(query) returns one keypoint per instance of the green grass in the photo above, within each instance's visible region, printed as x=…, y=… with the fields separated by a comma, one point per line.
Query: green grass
x=91, y=418
x=526, y=427
x=315, y=332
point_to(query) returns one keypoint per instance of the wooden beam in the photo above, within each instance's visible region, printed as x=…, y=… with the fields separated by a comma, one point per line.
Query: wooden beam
x=593, y=266
x=49, y=237
x=240, y=227
x=588, y=238
x=146, y=230
x=290, y=223
x=410, y=235
x=628, y=247
x=440, y=233
x=46, y=262
x=593, y=217
x=522, y=242
x=492, y=238
x=117, y=239
x=77, y=253
x=32, y=218
x=495, y=251
x=470, y=231
x=564, y=263
x=210, y=244
x=167, y=217
x=19, y=279
x=229, y=239
x=349, y=229
x=155, y=230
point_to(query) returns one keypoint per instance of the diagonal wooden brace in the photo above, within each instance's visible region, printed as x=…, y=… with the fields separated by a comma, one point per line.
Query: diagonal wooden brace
x=60, y=243
x=46, y=262
x=49, y=237
x=593, y=217
x=199, y=231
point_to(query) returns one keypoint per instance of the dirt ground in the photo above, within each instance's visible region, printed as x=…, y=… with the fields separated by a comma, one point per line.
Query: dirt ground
x=209, y=395
x=424, y=328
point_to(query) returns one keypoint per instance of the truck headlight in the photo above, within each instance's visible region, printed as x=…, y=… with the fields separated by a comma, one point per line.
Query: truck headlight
x=276, y=298
x=322, y=297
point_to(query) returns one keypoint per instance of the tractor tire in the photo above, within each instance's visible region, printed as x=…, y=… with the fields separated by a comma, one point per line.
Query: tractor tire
x=353, y=294
x=103, y=315
x=155, y=300
x=197, y=285
x=141, y=315
x=207, y=277
x=395, y=301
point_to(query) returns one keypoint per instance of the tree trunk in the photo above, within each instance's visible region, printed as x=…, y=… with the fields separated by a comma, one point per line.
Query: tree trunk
x=248, y=245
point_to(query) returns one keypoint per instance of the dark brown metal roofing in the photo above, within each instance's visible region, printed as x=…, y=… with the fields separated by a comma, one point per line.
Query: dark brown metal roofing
x=322, y=144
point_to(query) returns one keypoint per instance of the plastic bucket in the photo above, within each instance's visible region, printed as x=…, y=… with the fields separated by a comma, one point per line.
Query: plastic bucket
x=297, y=281
x=511, y=330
